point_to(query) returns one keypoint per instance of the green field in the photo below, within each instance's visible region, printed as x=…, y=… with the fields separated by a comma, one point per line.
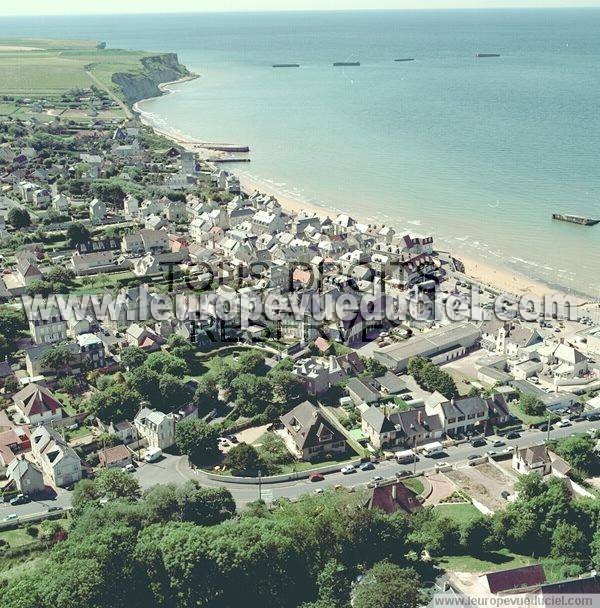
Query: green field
x=57, y=66
x=461, y=513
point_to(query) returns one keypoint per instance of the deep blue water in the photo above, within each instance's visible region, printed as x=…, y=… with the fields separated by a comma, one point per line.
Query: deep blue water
x=479, y=152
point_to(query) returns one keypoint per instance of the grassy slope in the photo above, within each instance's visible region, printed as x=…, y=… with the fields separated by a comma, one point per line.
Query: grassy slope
x=60, y=65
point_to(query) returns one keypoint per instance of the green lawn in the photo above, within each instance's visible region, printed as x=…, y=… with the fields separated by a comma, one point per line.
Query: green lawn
x=17, y=537
x=515, y=410
x=415, y=484
x=461, y=513
x=203, y=362
x=495, y=560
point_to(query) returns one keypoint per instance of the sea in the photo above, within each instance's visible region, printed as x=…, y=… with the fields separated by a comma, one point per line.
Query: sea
x=478, y=152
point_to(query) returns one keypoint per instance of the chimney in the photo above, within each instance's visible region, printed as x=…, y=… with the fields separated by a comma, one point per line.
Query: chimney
x=420, y=416
x=394, y=491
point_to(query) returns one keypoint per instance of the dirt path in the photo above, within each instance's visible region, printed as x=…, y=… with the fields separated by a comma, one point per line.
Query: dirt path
x=442, y=487
x=118, y=101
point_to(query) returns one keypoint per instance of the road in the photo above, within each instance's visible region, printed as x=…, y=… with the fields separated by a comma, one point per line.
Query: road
x=118, y=101
x=175, y=470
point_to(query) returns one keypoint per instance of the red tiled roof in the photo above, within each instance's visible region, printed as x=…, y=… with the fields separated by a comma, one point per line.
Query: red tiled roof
x=393, y=497
x=526, y=576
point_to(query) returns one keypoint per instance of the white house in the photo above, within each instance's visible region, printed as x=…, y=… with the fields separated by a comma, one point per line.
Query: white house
x=58, y=461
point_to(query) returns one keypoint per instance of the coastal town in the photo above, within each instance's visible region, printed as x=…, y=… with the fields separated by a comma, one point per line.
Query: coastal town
x=463, y=421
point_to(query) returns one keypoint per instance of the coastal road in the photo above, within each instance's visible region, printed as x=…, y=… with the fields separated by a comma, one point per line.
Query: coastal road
x=118, y=101
x=175, y=470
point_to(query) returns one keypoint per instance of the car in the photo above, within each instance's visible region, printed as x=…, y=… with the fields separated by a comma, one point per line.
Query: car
x=367, y=466
x=70, y=487
x=498, y=443
x=513, y=435
x=19, y=499
x=508, y=450
x=315, y=477
x=491, y=453
x=505, y=494
x=592, y=432
x=53, y=509
x=544, y=427
x=473, y=456
x=11, y=517
x=561, y=424
x=401, y=474
x=348, y=469
x=318, y=490
x=129, y=468
x=377, y=478
x=478, y=442
x=232, y=438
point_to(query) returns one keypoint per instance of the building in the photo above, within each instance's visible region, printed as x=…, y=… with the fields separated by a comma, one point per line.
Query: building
x=312, y=435
x=156, y=427
x=97, y=211
x=47, y=327
x=117, y=456
x=58, y=461
x=533, y=459
x=37, y=405
x=439, y=346
x=26, y=476
x=394, y=497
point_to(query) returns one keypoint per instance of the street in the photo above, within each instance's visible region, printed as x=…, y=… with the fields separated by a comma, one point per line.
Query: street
x=175, y=470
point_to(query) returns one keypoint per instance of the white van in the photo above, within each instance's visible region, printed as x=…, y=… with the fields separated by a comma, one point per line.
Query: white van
x=152, y=454
x=433, y=448
x=405, y=457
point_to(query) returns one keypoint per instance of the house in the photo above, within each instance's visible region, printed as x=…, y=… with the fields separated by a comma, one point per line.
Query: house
x=394, y=497
x=91, y=350
x=507, y=337
x=37, y=405
x=47, y=327
x=97, y=211
x=61, y=204
x=156, y=427
x=146, y=241
x=58, y=461
x=26, y=476
x=363, y=390
x=505, y=581
x=93, y=263
x=311, y=434
x=117, y=456
x=532, y=459
x=459, y=416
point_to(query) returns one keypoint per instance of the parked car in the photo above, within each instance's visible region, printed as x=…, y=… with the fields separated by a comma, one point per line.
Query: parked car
x=505, y=494
x=377, y=478
x=53, y=509
x=318, y=490
x=498, y=443
x=348, y=469
x=129, y=468
x=565, y=422
x=478, y=442
x=401, y=474
x=473, y=456
x=315, y=477
x=367, y=466
x=11, y=517
x=513, y=435
x=19, y=499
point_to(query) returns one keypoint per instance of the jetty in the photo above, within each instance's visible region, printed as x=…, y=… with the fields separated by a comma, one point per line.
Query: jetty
x=339, y=64
x=225, y=148
x=404, y=59
x=286, y=65
x=485, y=55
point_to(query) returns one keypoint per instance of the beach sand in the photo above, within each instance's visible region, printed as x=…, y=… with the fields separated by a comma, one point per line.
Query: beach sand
x=497, y=277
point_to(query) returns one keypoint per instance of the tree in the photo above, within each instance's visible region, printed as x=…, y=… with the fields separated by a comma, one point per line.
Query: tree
x=569, y=544
x=115, y=483
x=18, y=218
x=60, y=274
x=531, y=405
x=243, y=460
x=252, y=393
x=198, y=440
x=146, y=382
x=180, y=347
x=164, y=363
x=579, y=452
x=76, y=234
x=250, y=362
x=205, y=506
x=334, y=581
x=388, y=586
x=69, y=385
x=133, y=357
x=374, y=368
x=287, y=387
x=56, y=358
x=51, y=531
x=476, y=534
x=173, y=392
x=116, y=403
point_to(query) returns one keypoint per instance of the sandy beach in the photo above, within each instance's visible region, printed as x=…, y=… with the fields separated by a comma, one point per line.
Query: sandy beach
x=497, y=277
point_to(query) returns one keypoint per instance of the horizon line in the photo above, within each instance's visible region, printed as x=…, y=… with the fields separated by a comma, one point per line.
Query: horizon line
x=312, y=10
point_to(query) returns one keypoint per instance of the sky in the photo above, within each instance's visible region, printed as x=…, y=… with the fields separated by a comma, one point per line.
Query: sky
x=66, y=7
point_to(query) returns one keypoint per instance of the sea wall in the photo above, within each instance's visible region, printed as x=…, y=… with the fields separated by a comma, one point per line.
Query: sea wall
x=154, y=70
